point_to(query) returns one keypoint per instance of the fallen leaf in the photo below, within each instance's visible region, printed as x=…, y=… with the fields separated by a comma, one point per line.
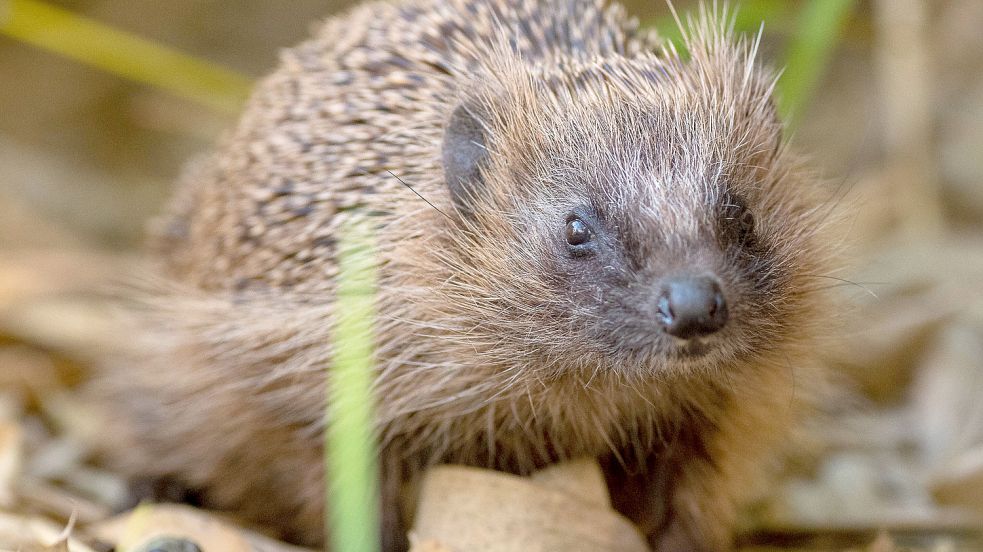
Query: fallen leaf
x=11, y=457
x=883, y=543
x=33, y=534
x=210, y=532
x=946, y=395
x=960, y=482
x=465, y=508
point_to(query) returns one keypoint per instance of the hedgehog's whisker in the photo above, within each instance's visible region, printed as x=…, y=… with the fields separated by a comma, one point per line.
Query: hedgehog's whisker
x=791, y=375
x=403, y=182
x=844, y=281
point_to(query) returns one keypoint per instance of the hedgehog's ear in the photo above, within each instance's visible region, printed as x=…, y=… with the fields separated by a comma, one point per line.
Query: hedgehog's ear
x=463, y=155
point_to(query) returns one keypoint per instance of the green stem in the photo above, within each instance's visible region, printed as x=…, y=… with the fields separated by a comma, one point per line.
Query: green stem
x=819, y=29
x=123, y=54
x=351, y=465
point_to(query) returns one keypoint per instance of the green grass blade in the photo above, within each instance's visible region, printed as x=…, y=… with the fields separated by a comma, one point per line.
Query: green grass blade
x=123, y=54
x=351, y=465
x=819, y=29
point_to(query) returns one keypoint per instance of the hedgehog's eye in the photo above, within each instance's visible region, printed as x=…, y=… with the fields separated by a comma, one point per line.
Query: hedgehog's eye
x=578, y=233
x=738, y=222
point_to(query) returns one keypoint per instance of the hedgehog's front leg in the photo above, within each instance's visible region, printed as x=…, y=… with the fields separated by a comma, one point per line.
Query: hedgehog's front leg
x=668, y=495
x=684, y=497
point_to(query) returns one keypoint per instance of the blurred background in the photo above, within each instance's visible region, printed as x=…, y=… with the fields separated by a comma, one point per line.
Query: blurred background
x=103, y=101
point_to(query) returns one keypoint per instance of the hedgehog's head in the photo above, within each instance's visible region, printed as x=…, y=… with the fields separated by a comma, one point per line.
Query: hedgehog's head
x=638, y=215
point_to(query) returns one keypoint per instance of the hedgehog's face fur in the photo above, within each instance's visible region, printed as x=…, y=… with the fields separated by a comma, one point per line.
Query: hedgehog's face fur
x=649, y=221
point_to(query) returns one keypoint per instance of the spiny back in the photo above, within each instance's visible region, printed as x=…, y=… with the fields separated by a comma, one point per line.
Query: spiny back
x=368, y=95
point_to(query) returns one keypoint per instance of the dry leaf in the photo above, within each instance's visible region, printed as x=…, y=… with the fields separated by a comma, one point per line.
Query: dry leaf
x=210, y=532
x=466, y=509
x=32, y=534
x=37, y=495
x=947, y=394
x=582, y=479
x=79, y=325
x=28, y=370
x=11, y=454
x=883, y=543
x=426, y=545
x=148, y=521
x=960, y=482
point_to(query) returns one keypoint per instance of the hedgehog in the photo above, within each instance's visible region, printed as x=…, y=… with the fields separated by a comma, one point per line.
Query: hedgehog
x=590, y=244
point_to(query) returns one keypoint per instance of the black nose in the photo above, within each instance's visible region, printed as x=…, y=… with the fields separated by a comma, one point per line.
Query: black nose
x=692, y=306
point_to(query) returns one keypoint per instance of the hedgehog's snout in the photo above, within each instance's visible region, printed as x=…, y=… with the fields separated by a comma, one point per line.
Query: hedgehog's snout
x=691, y=306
